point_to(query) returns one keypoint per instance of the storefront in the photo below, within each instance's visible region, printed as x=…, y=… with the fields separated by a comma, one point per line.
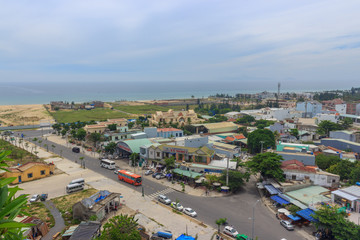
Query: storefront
x=347, y=197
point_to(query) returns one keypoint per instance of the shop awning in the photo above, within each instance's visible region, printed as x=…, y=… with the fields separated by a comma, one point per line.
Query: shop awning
x=186, y=173
x=306, y=213
x=294, y=218
x=272, y=190
x=279, y=200
x=344, y=195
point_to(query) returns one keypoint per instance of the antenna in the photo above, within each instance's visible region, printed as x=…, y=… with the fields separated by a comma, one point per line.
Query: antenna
x=278, y=93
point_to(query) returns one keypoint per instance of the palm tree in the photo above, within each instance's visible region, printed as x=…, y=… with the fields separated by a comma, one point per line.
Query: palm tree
x=219, y=222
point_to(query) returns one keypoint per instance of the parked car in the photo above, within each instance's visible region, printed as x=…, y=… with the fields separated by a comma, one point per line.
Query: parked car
x=155, y=174
x=160, y=176
x=148, y=172
x=76, y=149
x=230, y=231
x=286, y=224
x=34, y=198
x=116, y=171
x=190, y=212
x=164, y=199
x=161, y=235
x=43, y=197
x=177, y=206
x=242, y=237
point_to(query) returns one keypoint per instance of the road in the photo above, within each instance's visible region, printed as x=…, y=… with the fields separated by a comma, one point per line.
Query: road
x=236, y=208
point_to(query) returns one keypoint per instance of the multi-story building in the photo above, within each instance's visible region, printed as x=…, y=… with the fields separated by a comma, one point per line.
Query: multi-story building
x=310, y=108
x=174, y=117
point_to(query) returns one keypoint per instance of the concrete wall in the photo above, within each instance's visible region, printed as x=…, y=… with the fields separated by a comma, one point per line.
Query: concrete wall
x=196, y=142
x=151, y=132
x=336, y=143
x=318, y=179
x=309, y=108
x=340, y=108
x=306, y=159
x=343, y=135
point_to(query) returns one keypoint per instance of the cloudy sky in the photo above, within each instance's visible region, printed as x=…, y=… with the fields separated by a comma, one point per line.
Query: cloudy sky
x=253, y=42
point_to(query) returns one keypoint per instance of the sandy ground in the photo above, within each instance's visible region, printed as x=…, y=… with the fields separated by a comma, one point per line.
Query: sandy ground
x=23, y=115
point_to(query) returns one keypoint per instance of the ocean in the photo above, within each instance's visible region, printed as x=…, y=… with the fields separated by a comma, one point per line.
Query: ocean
x=43, y=92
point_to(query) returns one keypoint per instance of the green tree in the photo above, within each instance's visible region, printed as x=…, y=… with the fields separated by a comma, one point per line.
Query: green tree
x=247, y=119
x=355, y=175
x=346, y=123
x=134, y=157
x=324, y=127
x=342, y=168
x=294, y=132
x=219, y=222
x=94, y=137
x=260, y=135
x=63, y=132
x=236, y=179
x=122, y=227
x=267, y=164
x=131, y=125
x=110, y=148
x=80, y=134
x=169, y=163
x=325, y=161
x=112, y=127
x=10, y=206
x=334, y=221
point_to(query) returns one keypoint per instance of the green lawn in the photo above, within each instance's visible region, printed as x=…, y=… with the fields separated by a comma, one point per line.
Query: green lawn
x=148, y=108
x=64, y=116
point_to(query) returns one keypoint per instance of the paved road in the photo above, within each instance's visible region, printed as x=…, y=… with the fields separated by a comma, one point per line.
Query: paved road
x=59, y=221
x=236, y=208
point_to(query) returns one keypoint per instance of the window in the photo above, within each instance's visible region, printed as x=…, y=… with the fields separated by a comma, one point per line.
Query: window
x=158, y=154
x=293, y=177
x=42, y=172
x=30, y=175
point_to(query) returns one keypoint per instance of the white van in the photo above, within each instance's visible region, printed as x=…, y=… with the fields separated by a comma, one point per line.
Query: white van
x=74, y=187
x=106, y=163
x=79, y=181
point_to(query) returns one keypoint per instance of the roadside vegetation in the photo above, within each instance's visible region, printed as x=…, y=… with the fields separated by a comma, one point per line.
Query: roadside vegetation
x=64, y=204
x=149, y=108
x=38, y=209
x=98, y=114
x=19, y=155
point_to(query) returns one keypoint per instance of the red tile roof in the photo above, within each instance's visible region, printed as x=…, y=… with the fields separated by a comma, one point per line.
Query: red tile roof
x=231, y=139
x=296, y=165
x=240, y=136
x=168, y=129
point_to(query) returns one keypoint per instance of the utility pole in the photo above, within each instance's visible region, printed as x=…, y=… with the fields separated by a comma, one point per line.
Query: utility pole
x=262, y=142
x=227, y=172
x=142, y=186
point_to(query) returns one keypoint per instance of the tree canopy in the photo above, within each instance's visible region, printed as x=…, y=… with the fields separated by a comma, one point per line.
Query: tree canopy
x=122, y=227
x=80, y=134
x=236, y=179
x=342, y=168
x=267, y=164
x=110, y=148
x=325, y=161
x=255, y=138
x=247, y=119
x=324, y=127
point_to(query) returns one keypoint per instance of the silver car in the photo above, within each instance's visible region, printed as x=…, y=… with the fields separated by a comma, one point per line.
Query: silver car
x=164, y=199
x=287, y=225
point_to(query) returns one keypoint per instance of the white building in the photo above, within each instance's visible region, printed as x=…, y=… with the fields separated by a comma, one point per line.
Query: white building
x=326, y=117
x=340, y=108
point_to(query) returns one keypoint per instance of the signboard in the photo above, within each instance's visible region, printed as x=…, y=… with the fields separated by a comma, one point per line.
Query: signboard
x=175, y=150
x=213, y=170
x=121, y=146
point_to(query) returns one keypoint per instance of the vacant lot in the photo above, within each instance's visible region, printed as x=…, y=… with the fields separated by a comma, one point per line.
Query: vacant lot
x=65, y=203
x=148, y=108
x=38, y=209
x=69, y=116
x=23, y=115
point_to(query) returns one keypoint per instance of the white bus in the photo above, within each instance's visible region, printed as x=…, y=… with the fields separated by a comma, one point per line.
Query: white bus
x=79, y=181
x=106, y=163
x=74, y=187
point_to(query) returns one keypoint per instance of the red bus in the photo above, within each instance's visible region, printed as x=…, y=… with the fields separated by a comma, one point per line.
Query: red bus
x=129, y=177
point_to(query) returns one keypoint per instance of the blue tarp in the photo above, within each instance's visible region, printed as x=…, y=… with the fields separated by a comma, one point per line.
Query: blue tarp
x=272, y=190
x=306, y=213
x=279, y=200
x=294, y=218
x=183, y=237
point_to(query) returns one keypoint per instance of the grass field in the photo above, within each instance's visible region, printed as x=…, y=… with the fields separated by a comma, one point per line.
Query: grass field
x=148, y=108
x=65, y=203
x=66, y=116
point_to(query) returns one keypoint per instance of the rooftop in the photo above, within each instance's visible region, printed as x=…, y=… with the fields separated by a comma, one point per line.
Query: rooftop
x=168, y=129
x=310, y=194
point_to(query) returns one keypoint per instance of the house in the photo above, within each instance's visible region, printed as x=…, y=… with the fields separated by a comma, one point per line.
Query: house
x=100, y=204
x=348, y=197
x=213, y=128
x=121, y=126
x=234, y=115
x=38, y=230
x=333, y=117
x=306, y=159
x=169, y=132
x=174, y=117
x=310, y=108
x=96, y=128
x=340, y=108
x=30, y=171
x=86, y=231
x=297, y=171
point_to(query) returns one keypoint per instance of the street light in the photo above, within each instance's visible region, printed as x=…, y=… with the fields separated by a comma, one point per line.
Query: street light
x=253, y=219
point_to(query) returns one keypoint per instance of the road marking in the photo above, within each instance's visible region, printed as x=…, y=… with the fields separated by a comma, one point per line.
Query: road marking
x=162, y=192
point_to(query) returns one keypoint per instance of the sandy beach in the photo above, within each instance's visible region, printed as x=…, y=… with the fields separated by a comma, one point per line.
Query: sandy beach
x=23, y=115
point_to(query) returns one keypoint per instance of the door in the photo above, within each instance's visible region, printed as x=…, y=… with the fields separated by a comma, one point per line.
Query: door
x=19, y=178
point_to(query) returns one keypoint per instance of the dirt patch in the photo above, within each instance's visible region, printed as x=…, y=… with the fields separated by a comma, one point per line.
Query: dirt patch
x=23, y=115
x=38, y=209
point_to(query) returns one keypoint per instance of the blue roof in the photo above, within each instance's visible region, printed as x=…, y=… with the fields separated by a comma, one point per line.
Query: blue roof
x=306, y=213
x=294, y=218
x=272, y=190
x=279, y=200
x=183, y=237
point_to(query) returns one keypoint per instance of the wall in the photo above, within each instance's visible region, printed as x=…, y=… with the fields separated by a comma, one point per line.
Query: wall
x=342, y=145
x=196, y=142
x=35, y=170
x=317, y=179
x=340, y=108
x=309, y=108
x=343, y=135
x=306, y=159
x=151, y=132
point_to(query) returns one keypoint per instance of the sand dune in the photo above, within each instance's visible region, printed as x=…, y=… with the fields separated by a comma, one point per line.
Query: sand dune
x=23, y=115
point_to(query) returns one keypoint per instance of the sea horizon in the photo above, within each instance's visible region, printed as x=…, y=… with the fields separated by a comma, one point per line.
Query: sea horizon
x=44, y=92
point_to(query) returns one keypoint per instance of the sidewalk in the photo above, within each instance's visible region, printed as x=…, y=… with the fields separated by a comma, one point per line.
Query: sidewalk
x=155, y=216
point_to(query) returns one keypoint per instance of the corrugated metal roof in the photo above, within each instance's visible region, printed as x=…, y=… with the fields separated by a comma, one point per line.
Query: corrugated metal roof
x=309, y=195
x=345, y=195
x=186, y=173
x=135, y=144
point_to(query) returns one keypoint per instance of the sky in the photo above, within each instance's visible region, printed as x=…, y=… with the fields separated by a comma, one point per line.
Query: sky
x=302, y=44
